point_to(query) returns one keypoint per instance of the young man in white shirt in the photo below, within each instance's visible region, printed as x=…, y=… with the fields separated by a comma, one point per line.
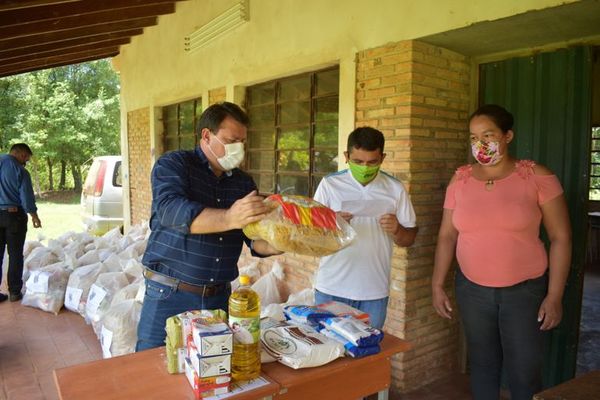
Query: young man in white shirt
x=379, y=209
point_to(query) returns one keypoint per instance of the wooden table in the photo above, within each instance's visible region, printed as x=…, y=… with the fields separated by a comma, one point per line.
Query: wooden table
x=344, y=378
x=584, y=387
x=144, y=375
x=140, y=375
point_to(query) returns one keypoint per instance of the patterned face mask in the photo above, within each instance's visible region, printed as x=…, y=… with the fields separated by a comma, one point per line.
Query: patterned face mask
x=486, y=153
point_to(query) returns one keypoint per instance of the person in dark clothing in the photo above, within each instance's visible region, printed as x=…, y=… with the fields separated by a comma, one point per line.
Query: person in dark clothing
x=200, y=202
x=16, y=200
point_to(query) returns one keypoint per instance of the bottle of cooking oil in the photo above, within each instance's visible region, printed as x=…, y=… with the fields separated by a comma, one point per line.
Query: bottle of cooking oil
x=244, y=320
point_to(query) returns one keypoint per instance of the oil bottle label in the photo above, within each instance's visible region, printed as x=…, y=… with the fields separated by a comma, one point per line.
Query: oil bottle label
x=245, y=330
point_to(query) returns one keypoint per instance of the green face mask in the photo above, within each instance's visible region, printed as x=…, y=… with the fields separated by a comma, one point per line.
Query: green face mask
x=363, y=173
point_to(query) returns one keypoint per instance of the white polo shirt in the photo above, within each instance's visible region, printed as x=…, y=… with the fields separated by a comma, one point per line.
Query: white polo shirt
x=361, y=271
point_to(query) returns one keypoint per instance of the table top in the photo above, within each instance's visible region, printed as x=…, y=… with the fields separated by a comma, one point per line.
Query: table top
x=144, y=375
x=583, y=387
x=140, y=375
x=288, y=377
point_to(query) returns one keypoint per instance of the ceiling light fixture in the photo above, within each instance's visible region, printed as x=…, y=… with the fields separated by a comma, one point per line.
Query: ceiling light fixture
x=218, y=27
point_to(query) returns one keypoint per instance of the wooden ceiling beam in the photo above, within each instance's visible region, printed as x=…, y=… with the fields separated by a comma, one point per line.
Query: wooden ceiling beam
x=56, y=61
x=98, y=18
x=54, y=12
x=6, y=44
x=119, y=38
x=112, y=44
x=23, y=4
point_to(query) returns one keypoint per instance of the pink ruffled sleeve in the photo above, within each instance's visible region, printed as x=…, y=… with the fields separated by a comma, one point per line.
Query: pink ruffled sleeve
x=450, y=201
x=549, y=187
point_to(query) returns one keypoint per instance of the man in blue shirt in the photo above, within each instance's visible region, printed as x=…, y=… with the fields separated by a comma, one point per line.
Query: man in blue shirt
x=16, y=200
x=200, y=202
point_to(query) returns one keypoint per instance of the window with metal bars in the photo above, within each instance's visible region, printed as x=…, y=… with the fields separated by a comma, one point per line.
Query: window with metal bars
x=293, y=135
x=179, y=122
x=594, y=193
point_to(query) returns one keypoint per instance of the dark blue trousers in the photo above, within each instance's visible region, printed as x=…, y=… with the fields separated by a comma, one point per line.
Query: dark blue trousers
x=502, y=330
x=161, y=302
x=13, y=228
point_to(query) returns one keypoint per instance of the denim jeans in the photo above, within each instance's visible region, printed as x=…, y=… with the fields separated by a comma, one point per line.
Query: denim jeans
x=13, y=228
x=377, y=309
x=502, y=330
x=161, y=302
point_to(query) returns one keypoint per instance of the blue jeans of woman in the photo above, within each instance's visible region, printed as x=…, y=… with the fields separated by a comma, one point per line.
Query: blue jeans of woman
x=502, y=330
x=161, y=302
x=377, y=309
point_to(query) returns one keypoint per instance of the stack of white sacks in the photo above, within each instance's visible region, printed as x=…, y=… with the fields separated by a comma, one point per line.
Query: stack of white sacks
x=99, y=278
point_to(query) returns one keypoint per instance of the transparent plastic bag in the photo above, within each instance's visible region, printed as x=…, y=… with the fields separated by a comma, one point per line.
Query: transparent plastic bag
x=301, y=225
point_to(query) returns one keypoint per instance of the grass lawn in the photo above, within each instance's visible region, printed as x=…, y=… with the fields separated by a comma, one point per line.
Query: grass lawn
x=59, y=213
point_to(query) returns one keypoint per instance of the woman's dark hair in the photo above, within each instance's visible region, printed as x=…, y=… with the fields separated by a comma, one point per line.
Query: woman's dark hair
x=499, y=115
x=366, y=138
x=212, y=117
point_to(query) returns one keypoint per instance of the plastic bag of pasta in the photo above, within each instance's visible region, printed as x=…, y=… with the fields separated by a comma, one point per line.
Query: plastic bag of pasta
x=301, y=225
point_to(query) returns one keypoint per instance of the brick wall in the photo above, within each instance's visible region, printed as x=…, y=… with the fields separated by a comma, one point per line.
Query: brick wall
x=418, y=95
x=138, y=142
x=216, y=95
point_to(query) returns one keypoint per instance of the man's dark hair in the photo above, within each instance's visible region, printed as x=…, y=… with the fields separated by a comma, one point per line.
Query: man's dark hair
x=366, y=138
x=214, y=115
x=21, y=148
x=498, y=114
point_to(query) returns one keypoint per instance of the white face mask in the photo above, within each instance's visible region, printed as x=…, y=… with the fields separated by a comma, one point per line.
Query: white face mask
x=234, y=155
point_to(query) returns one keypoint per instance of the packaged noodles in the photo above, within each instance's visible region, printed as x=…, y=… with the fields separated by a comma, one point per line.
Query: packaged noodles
x=301, y=225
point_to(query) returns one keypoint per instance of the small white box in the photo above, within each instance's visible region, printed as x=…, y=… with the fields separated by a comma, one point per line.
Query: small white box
x=211, y=366
x=206, y=387
x=212, y=337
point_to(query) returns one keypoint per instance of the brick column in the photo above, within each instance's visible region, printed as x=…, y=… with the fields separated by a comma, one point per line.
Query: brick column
x=418, y=95
x=138, y=141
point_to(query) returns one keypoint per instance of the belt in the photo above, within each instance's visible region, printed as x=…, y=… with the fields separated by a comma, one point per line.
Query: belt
x=10, y=209
x=202, y=290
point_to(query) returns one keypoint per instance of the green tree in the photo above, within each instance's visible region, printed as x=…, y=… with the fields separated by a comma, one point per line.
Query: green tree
x=67, y=115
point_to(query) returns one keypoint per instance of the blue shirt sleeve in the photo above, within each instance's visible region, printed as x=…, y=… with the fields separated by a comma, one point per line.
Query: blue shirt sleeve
x=170, y=183
x=26, y=193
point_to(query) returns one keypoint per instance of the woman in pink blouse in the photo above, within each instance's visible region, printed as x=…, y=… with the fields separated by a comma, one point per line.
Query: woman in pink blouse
x=508, y=290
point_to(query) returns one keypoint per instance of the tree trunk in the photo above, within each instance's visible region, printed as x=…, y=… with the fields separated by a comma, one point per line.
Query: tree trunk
x=36, y=180
x=76, y=172
x=63, y=175
x=50, y=175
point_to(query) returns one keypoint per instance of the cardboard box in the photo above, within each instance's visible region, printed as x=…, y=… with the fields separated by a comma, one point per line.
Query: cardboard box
x=212, y=337
x=206, y=387
x=210, y=366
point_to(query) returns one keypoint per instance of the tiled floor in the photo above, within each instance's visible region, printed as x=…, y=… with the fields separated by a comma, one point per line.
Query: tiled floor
x=33, y=343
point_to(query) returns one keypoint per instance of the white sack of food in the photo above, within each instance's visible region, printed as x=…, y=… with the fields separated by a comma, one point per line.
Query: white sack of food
x=299, y=346
x=29, y=246
x=91, y=257
x=134, y=270
x=139, y=297
x=127, y=293
x=118, y=334
x=113, y=236
x=79, y=285
x=304, y=297
x=251, y=270
x=267, y=286
x=38, y=258
x=113, y=263
x=45, y=288
x=100, y=297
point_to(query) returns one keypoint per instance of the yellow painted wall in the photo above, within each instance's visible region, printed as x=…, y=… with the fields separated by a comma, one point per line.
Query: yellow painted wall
x=284, y=37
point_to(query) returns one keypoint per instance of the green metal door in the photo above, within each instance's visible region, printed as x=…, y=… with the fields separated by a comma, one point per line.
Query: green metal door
x=550, y=96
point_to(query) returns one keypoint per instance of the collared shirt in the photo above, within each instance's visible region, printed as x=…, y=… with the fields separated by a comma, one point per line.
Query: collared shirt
x=183, y=184
x=15, y=185
x=361, y=271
